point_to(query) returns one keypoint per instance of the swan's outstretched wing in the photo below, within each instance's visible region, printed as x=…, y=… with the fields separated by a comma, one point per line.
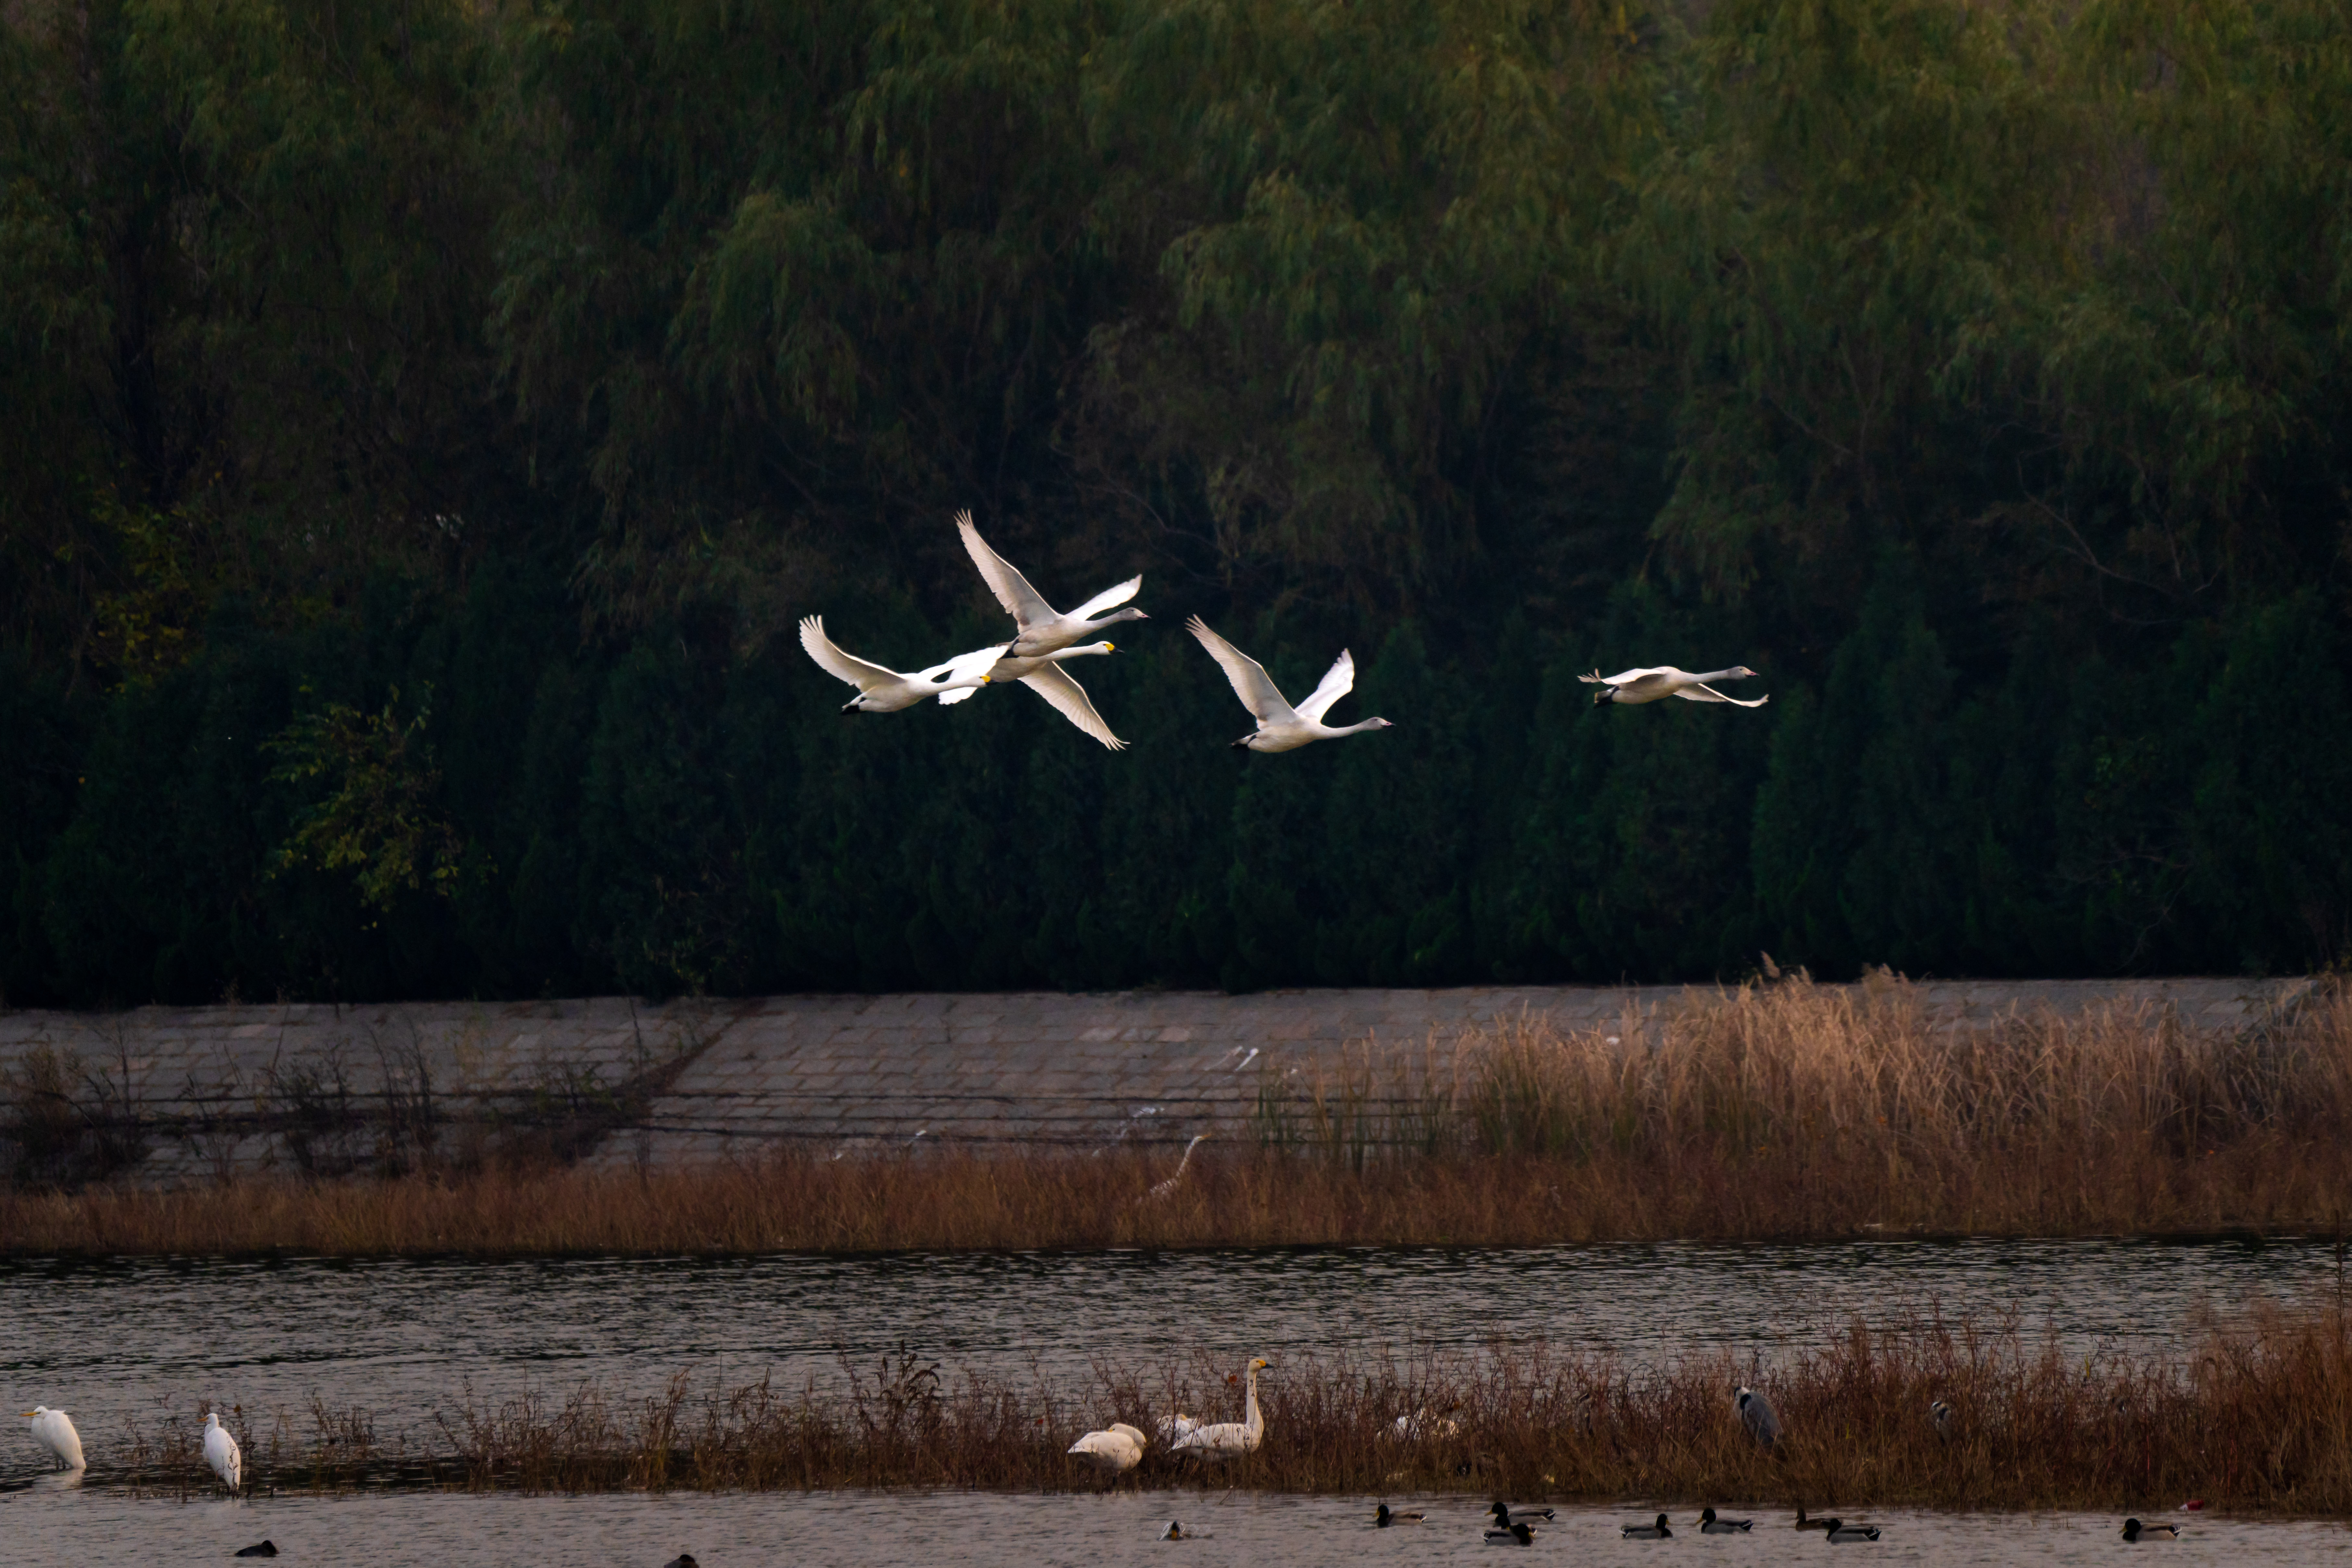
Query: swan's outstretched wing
x=839, y=665
x=963, y=666
x=1053, y=683
x=1337, y=681
x=1627, y=677
x=1251, y=683
x=1702, y=692
x=1012, y=589
x=1119, y=595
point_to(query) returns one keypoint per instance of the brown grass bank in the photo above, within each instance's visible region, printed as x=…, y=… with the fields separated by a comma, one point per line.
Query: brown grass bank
x=1792, y=1111
x=2259, y=1419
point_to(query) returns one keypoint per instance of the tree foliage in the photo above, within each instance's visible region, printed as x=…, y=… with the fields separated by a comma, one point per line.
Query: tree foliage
x=1978, y=372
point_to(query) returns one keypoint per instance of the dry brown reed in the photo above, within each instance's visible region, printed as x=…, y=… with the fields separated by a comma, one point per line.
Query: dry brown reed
x=2259, y=1419
x=1765, y=1114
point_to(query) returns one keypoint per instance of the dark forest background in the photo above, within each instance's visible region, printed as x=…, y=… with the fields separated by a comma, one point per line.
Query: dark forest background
x=421, y=423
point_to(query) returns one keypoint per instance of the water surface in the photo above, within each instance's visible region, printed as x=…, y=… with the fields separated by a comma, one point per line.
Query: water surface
x=112, y=1340
x=51, y=1525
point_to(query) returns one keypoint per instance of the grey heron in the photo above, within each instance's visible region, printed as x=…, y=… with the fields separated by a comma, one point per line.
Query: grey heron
x=1757, y=1412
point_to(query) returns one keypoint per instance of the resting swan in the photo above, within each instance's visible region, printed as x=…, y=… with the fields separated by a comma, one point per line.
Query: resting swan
x=1228, y=1439
x=1281, y=727
x=1043, y=628
x=881, y=690
x=1664, y=681
x=1115, y=1447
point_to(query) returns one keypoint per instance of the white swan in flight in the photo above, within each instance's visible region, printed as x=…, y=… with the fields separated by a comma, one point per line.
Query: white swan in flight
x=54, y=1430
x=221, y=1452
x=1228, y=1439
x=1281, y=727
x=881, y=690
x=1043, y=628
x=1665, y=681
x=1115, y=1447
x=1044, y=676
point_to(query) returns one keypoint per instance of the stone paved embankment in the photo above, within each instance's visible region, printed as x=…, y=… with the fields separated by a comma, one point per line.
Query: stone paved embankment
x=210, y=1090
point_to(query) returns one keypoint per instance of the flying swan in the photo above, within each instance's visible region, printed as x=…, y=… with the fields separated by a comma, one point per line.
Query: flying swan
x=1044, y=676
x=881, y=690
x=1043, y=628
x=1228, y=1439
x=1281, y=727
x=1649, y=685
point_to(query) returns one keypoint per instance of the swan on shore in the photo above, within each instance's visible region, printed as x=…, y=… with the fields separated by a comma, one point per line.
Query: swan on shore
x=1044, y=676
x=1167, y=1188
x=1116, y=1448
x=1281, y=727
x=881, y=690
x=1229, y=1440
x=1042, y=627
x=1420, y=1423
x=54, y=1430
x=1635, y=686
x=221, y=1452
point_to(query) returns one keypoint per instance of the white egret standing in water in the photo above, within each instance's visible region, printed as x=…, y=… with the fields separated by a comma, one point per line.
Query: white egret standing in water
x=221, y=1452
x=54, y=1430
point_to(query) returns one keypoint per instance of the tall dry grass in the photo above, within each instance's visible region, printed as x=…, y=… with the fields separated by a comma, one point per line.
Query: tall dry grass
x=1782, y=1112
x=2259, y=1419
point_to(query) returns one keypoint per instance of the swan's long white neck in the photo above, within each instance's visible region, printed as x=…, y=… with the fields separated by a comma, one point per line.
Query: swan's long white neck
x=1253, y=1418
x=1719, y=675
x=1355, y=728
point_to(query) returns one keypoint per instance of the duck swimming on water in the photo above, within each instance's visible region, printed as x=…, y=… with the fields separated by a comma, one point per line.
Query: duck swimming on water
x=1841, y=1530
x=1658, y=1531
x=1511, y=1535
x=1385, y=1515
x=2135, y=1532
x=1710, y=1525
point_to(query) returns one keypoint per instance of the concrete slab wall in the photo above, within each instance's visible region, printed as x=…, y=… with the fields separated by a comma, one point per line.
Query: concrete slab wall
x=314, y=1086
